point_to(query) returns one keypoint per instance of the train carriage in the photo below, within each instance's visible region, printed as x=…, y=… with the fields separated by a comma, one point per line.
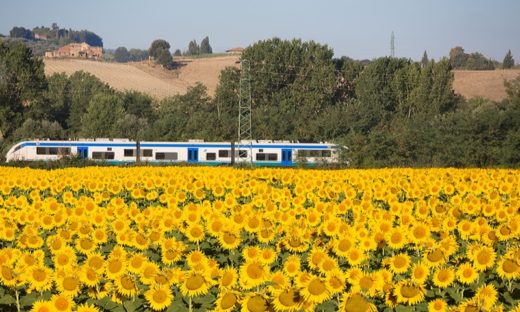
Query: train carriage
x=262, y=153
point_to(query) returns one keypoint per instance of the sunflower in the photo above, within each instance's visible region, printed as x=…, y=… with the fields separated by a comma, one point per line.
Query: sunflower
x=483, y=258
x=437, y=305
x=443, y=277
x=39, y=278
x=335, y=281
x=487, y=295
x=315, y=290
x=85, y=307
x=65, y=258
x=420, y=272
x=229, y=239
x=356, y=302
x=96, y=262
x=115, y=267
x=252, y=274
x=287, y=299
x=195, y=284
x=42, y=306
x=228, y=278
x=409, y=292
x=467, y=274
x=126, y=285
x=396, y=238
x=508, y=268
x=226, y=301
x=255, y=302
x=159, y=297
x=62, y=303
x=292, y=265
x=399, y=263
x=68, y=284
x=355, y=256
x=148, y=272
x=435, y=257
x=341, y=246
x=369, y=284
x=136, y=261
x=86, y=245
x=419, y=233
x=8, y=277
x=89, y=276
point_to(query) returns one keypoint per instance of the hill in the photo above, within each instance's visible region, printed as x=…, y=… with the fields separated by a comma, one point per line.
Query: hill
x=483, y=83
x=148, y=77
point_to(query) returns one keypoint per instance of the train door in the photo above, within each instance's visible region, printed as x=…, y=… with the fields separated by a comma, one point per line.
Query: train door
x=193, y=154
x=83, y=152
x=286, y=157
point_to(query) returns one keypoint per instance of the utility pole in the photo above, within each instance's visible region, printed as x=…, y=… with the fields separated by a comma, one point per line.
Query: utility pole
x=245, y=137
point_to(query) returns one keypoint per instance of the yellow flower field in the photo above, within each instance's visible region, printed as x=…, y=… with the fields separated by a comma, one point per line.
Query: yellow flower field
x=223, y=239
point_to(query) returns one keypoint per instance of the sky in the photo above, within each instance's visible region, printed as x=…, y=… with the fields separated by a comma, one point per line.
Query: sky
x=360, y=29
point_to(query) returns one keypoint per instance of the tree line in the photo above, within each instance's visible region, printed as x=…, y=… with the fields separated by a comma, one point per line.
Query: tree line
x=160, y=51
x=388, y=112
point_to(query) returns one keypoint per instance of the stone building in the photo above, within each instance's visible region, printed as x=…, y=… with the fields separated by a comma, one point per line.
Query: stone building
x=77, y=50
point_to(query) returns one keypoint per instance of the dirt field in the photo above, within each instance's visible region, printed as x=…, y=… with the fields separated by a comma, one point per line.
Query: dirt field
x=484, y=83
x=148, y=77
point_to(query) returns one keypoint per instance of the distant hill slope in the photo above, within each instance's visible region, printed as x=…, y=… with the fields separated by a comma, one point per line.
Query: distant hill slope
x=150, y=78
x=483, y=83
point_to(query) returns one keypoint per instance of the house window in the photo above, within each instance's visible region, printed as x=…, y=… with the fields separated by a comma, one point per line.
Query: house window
x=211, y=156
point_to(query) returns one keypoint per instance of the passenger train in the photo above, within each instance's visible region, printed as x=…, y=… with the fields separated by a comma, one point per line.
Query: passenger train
x=261, y=153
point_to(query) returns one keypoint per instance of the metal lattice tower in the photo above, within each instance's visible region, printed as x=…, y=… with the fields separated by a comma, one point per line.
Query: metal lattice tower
x=392, y=45
x=245, y=135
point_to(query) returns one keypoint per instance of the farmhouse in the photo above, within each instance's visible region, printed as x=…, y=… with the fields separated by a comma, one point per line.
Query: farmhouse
x=77, y=50
x=235, y=51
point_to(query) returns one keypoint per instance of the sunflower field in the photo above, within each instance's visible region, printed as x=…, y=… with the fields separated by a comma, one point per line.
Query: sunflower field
x=224, y=239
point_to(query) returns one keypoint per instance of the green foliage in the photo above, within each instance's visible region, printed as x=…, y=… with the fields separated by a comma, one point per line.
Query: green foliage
x=102, y=116
x=508, y=62
x=193, y=48
x=205, y=47
x=160, y=51
x=121, y=55
x=474, y=61
x=425, y=60
x=20, y=32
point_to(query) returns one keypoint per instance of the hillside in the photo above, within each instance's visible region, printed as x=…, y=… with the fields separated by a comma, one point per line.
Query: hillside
x=483, y=83
x=150, y=78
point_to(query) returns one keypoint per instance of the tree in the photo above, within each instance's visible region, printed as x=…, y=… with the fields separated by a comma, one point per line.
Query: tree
x=508, y=62
x=205, y=47
x=102, y=116
x=22, y=81
x=158, y=45
x=424, y=60
x=39, y=129
x=20, y=32
x=121, y=55
x=457, y=57
x=164, y=58
x=137, y=55
x=193, y=48
x=177, y=53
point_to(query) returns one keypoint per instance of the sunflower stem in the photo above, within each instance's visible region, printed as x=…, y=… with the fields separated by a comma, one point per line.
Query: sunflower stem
x=189, y=305
x=17, y=295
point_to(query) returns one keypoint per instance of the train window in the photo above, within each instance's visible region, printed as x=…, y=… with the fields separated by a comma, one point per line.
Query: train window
x=242, y=154
x=129, y=153
x=109, y=148
x=211, y=156
x=314, y=153
x=103, y=155
x=266, y=156
x=147, y=153
x=64, y=151
x=326, y=153
x=53, y=151
x=223, y=153
x=166, y=156
x=41, y=151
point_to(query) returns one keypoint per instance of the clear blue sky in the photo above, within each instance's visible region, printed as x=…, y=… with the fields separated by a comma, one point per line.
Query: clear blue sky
x=356, y=28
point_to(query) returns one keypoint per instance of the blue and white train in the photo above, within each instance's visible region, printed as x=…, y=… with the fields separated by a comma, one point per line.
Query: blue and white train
x=261, y=153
